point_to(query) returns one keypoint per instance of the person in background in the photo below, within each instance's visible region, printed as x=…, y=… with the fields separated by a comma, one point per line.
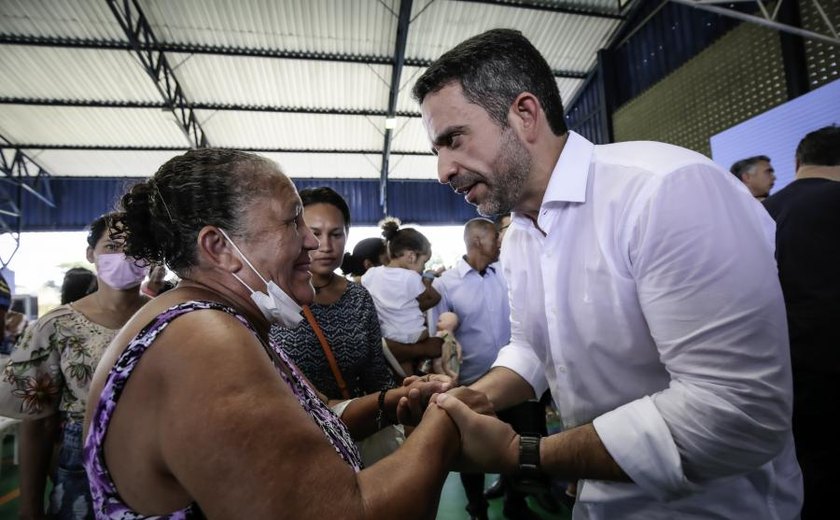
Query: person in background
x=5, y=305
x=370, y=252
x=658, y=325
x=757, y=174
x=157, y=283
x=78, y=282
x=194, y=412
x=476, y=291
x=502, y=225
x=47, y=378
x=807, y=214
x=401, y=294
x=343, y=310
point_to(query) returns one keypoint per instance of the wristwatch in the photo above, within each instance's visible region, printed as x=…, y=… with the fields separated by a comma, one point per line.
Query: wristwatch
x=529, y=457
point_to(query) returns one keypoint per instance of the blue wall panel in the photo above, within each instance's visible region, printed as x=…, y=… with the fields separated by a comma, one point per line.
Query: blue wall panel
x=671, y=37
x=81, y=199
x=585, y=113
x=428, y=202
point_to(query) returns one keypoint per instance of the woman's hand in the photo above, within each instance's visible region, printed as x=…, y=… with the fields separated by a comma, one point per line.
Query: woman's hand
x=488, y=445
x=418, y=391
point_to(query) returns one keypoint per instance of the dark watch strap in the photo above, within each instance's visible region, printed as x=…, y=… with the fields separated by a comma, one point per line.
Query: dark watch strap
x=529, y=457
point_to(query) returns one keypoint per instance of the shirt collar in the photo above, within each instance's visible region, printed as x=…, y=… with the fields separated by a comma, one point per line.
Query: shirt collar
x=568, y=179
x=464, y=267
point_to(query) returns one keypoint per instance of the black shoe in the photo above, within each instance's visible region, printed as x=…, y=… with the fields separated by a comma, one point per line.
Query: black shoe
x=518, y=510
x=477, y=513
x=549, y=503
x=496, y=489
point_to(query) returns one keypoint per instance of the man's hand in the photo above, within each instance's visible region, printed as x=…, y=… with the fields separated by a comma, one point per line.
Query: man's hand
x=411, y=406
x=475, y=400
x=488, y=445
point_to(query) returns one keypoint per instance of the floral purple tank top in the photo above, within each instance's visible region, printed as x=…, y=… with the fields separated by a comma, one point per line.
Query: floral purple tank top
x=107, y=503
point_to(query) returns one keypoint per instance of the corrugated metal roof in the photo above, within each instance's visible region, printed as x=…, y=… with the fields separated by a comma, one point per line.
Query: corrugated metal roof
x=351, y=27
x=78, y=19
x=328, y=35
x=101, y=163
x=328, y=165
x=292, y=131
x=567, y=41
x=568, y=87
x=76, y=74
x=282, y=82
x=418, y=167
x=24, y=124
x=410, y=136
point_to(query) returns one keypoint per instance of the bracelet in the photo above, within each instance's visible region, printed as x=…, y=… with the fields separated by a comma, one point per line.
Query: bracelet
x=381, y=417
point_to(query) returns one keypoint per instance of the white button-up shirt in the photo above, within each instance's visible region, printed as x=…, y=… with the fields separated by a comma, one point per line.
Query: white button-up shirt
x=481, y=303
x=651, y=307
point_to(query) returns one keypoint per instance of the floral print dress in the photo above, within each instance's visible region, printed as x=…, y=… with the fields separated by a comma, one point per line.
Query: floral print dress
x=50, y=368
x=49, y=372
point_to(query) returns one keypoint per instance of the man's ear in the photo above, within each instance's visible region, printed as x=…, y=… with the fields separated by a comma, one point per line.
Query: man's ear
x=89, y=255
x=524, y=116
x=214, y=249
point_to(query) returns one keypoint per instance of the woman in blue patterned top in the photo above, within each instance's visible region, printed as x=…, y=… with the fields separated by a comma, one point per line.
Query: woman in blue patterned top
x=344, y=310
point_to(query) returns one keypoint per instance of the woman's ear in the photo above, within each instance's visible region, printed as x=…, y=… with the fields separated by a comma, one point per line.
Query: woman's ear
x=213, y=248
x=89, y=255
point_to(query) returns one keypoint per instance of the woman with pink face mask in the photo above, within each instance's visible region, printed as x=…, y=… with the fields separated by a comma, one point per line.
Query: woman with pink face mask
x=47, y=378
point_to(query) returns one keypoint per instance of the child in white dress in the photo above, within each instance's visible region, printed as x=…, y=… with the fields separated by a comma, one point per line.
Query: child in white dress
x=399, y=291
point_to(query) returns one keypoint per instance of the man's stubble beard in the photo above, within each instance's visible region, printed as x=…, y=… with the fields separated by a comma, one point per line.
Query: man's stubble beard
x=512, y=167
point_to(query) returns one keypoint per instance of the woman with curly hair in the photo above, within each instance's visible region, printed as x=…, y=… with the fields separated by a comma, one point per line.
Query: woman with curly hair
x=196, y=412
x=47, y=378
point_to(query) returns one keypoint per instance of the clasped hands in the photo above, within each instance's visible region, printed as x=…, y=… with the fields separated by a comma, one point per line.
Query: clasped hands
x=487, y=444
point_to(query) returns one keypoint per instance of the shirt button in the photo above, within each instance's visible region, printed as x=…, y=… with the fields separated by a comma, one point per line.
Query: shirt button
x=561, y=369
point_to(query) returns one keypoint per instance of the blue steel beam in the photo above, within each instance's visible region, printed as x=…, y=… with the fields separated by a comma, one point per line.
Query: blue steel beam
x=15, y=179
x=396, y=74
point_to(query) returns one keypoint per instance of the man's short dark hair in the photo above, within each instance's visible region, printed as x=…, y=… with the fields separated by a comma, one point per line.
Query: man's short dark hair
x=745, y=166
x=493, y=68
x=820, y=147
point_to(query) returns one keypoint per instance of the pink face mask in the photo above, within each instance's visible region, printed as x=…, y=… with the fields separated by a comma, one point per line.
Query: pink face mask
x=118, y=271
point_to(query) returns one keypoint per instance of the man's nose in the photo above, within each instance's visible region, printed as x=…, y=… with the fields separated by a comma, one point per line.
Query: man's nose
x=446, y=167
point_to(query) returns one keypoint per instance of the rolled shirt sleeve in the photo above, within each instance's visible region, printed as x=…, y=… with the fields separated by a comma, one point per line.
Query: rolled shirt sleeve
x=708, y=287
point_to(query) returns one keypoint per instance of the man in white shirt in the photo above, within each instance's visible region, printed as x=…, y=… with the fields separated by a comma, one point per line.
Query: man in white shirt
x=658, y=325
x=757, y=174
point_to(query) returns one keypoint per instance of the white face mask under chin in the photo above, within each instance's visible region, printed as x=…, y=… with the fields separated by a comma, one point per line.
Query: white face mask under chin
x=277, y=306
